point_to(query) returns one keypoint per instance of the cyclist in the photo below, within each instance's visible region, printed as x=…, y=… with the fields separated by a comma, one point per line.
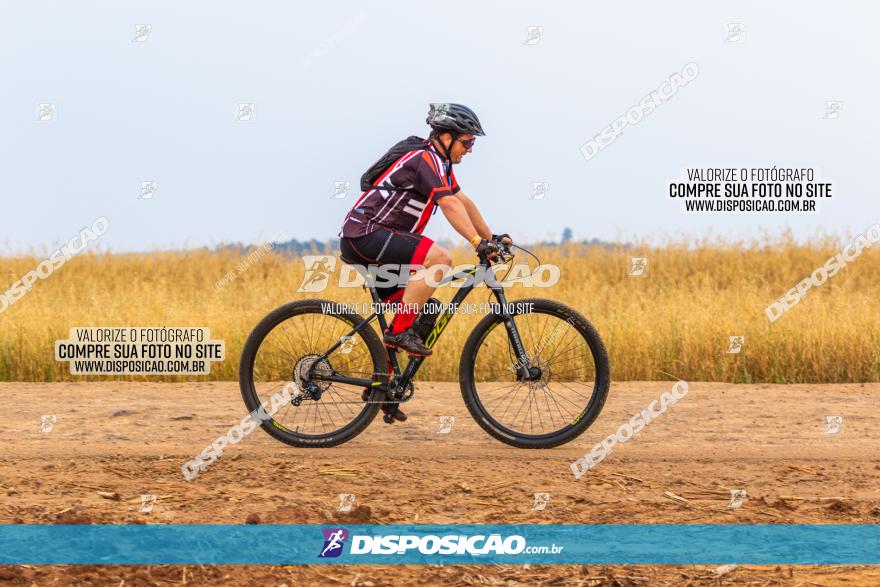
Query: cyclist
x=385, y=224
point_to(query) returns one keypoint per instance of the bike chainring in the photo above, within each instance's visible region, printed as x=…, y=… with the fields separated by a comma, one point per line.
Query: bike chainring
x=402, y=393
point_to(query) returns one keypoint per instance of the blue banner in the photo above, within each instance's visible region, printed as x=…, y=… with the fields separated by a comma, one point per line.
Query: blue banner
x=655, y=544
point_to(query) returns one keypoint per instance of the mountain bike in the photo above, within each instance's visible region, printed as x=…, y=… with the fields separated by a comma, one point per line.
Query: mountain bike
x=533, y=373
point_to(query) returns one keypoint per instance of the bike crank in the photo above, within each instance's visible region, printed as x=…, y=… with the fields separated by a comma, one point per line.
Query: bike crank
x=397, y=394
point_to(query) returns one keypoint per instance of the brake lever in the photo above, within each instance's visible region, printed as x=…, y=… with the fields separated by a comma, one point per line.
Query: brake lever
x=504, y=253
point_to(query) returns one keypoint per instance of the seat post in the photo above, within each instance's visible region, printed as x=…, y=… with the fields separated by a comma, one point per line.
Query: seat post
x=370, y=285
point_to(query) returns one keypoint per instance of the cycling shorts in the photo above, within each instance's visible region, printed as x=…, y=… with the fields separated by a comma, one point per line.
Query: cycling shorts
x=386, y=246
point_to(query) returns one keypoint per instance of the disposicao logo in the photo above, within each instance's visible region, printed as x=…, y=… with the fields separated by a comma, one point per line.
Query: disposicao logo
x=334, y=540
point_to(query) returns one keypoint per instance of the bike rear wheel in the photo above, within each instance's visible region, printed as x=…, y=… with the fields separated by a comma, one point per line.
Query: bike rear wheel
x=280, y=352
x=571, y=382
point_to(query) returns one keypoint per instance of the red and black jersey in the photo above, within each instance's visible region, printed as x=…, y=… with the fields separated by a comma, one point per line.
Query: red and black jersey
x=404, y=196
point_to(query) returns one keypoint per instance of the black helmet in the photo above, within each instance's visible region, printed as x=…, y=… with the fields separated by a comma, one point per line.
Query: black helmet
x=456, y=118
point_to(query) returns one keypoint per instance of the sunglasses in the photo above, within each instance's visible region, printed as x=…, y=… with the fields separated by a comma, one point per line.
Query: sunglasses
x=468, y=144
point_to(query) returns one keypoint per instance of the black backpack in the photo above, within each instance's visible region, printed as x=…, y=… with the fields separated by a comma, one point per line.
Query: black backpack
x=388, y=159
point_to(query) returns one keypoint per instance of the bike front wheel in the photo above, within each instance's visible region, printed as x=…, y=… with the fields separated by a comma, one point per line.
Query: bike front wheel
x=569, y=380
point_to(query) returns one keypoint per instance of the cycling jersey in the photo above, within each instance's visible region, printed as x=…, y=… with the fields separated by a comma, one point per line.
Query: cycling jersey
x=416, y=181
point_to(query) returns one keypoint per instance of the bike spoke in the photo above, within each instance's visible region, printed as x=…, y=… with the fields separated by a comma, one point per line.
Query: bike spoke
x=549, y=393
x=562, y=365
x=293, y=348
x=514, y=391
x=540, y=419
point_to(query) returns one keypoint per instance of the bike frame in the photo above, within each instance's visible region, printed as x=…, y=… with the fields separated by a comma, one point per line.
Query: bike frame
x=402, y=380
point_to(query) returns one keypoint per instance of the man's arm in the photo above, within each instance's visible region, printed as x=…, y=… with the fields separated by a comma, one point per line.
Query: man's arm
x=459, y=217
x=475, y=217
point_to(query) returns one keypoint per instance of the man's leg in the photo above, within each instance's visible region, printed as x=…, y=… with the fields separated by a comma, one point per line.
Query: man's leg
x=419, y=288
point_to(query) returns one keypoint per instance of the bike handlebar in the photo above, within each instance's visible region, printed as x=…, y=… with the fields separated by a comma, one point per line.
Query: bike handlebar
x=504, y=254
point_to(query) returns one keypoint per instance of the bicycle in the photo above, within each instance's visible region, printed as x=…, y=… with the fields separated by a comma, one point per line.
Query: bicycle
x=340, y=367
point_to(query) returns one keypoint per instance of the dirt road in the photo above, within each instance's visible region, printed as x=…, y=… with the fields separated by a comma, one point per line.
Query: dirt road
x=132, y=438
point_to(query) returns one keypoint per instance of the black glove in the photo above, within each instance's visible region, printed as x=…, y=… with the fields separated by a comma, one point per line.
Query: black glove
x=498, y=237
x=487, y=249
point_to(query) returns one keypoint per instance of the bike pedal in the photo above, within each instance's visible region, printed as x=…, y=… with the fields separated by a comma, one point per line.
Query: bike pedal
x=397, y=350
x=388, y=419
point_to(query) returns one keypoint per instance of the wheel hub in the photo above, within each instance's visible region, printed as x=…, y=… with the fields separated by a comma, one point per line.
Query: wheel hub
x=539, y=372
x=311, y=389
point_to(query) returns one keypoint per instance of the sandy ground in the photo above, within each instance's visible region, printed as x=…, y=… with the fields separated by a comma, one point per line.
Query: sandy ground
x=129, y=438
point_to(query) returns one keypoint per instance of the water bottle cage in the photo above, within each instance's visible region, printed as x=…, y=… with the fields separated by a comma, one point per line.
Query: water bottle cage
x=425, y=322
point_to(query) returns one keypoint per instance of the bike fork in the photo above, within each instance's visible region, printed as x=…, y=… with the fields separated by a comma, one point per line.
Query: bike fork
x=522, y=359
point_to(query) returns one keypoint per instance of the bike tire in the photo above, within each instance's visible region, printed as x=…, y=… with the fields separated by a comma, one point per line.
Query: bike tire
x=248, y=388
x=500, y=432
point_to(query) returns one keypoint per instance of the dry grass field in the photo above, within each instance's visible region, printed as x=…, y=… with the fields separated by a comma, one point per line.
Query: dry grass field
x=676, y=319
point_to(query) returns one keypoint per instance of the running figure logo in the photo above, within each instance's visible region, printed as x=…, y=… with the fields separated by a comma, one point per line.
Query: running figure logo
x=737, y=497
x=833, y=424
x=47, y=423
x=534, y=35
x=334, y=540
x=46, y=112
x=735, y=32
x=832, y=109
x=735, y=344
x=638, y=266
x=318, y=270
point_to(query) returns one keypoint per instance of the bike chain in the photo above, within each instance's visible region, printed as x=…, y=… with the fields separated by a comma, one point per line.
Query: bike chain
x=374, y=374
x=403, y=401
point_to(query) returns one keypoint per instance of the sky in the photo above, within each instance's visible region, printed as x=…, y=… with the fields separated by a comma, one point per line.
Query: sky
x=334, y=84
